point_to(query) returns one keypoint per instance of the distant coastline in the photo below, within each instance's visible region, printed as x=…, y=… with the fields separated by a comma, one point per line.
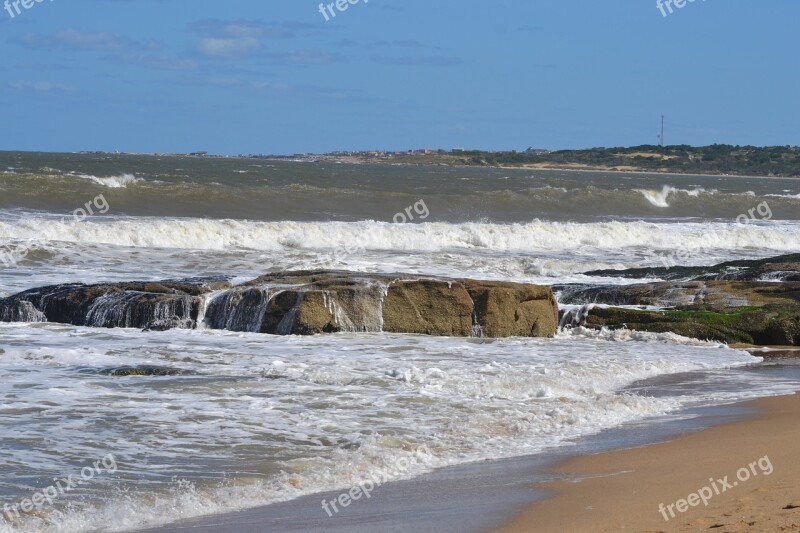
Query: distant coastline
x=714, y=160
x=543, y=166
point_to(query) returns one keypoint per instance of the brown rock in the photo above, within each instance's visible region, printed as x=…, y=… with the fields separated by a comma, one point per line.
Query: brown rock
x=513, y=309
x=294, y=312
x=428, y=307
x=301, y=303
x=313, y=315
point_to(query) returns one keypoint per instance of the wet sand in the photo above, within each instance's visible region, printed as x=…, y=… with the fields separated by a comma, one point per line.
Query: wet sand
x=472, y=498
x=636, y=489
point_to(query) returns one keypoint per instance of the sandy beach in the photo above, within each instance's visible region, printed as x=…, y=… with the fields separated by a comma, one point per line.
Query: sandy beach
x=747, y=472
x=481, y=497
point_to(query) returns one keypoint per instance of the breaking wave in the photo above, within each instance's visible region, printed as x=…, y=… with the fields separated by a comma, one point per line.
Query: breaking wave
x=208, y=234
x=112, y=182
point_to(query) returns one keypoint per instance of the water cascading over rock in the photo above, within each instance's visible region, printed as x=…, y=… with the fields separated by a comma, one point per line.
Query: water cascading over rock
x=300, y=303
x=163, y=305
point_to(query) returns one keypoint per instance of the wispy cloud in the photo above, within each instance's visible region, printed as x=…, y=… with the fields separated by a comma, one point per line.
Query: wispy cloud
x=299, y=92
x=230, y=47
x=406, y=43
x=304, y=57
x=40, y=86
x=155, y=61
x=72, y=39
x=220, y=39
x=436, y=61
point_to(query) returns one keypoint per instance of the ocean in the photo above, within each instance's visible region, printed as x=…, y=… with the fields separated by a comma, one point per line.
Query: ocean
x=233, y=420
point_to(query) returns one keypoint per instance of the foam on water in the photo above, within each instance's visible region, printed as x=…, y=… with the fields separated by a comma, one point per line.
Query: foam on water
x=233, y=420
x=207, y=234
x=794, y=196
x=112, y=182
x=109, y=249
x=221, y=188
x=659, y=198
x=306, y=414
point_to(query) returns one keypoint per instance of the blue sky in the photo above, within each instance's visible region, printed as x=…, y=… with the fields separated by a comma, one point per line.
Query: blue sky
x=273, y=76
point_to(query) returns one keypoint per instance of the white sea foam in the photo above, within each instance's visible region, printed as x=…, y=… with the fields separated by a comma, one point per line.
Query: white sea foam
x=287, y=416
x=333, y=410
x=112, y=182
x=538, y=252
x=207, y=234
x=661, y=198
x=793, y=196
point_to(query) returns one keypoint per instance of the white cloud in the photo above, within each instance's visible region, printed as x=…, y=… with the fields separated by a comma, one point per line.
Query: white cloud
x=221, y=47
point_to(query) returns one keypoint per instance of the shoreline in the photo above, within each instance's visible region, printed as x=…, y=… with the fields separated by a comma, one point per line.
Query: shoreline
x=568, y=169
x=769, y=352
x=474, y=497
x=634, y=488
x=345, y=160
x=527, y=167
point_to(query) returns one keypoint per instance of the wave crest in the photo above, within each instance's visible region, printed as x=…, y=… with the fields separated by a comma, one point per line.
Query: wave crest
x=544, y=236
x=112, y=182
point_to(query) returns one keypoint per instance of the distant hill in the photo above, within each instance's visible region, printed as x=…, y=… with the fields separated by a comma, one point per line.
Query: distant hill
x=680, y=159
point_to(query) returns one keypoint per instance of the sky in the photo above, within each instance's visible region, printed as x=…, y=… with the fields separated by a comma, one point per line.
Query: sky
x=276, y=77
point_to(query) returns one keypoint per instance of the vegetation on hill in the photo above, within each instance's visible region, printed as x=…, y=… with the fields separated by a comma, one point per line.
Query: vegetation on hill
x=684, y=159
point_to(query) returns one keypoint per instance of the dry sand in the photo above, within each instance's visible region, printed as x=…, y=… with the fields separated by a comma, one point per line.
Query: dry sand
x=622, y=490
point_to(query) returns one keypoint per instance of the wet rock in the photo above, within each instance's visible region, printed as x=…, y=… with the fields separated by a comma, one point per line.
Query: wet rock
x=19, y=311
x=142, y=310
x=769, y=325
x=730, y=302
x=513, y=310
x=328, y=302
x=238, y=309
x=166, y=324
x=144, y=370
x=781, y=268
x=124, y=305
x=731, y=328
x=711, y=295
x=428, y=307
x=295, y=312
x=302, y=303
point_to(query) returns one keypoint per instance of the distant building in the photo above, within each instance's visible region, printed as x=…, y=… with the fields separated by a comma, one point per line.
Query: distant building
x=537, y=151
